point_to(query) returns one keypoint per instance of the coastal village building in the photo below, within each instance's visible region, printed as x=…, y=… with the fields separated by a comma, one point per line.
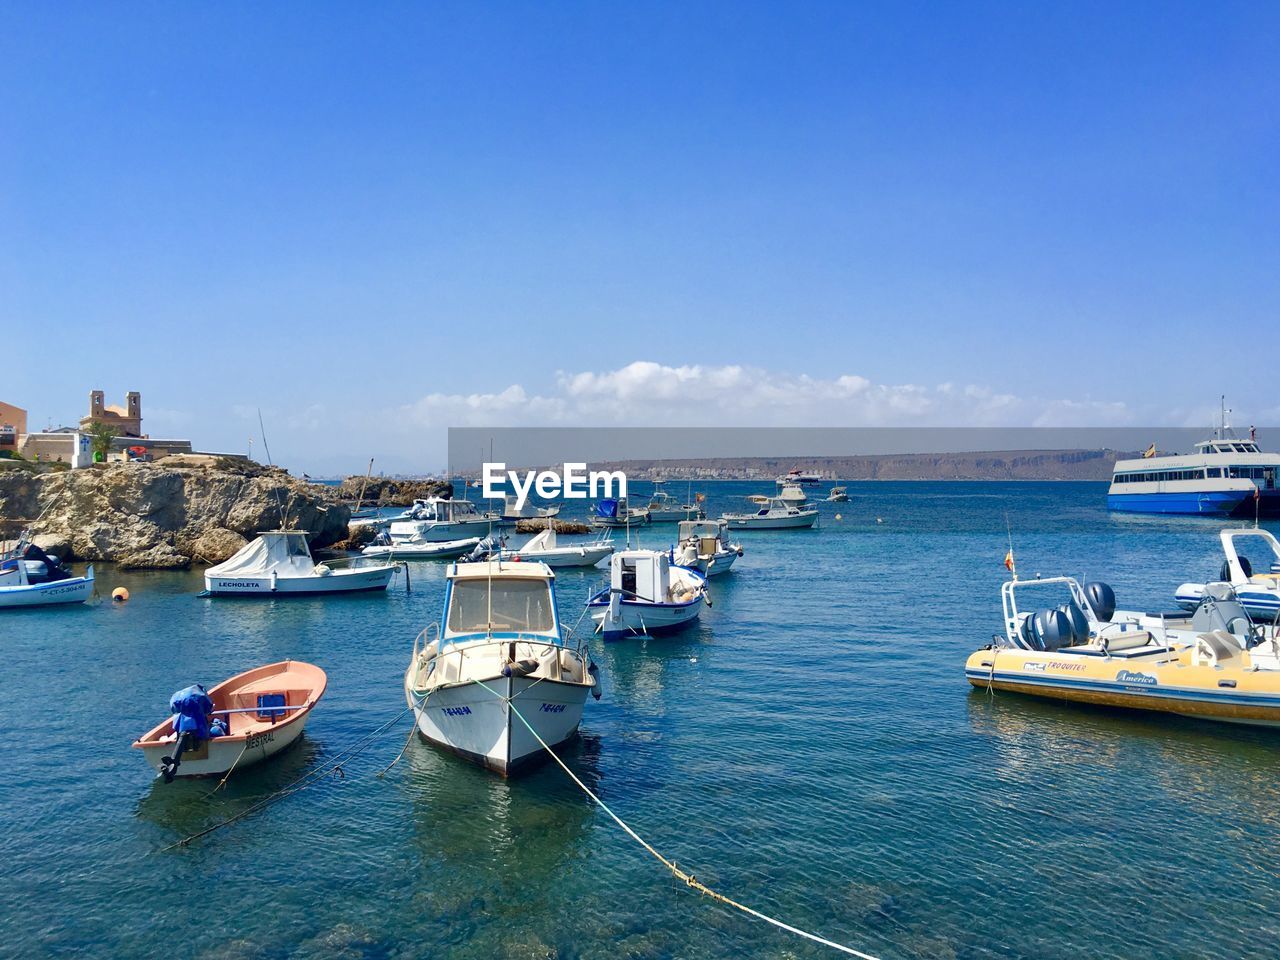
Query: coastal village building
x=126, y=420
x=71, y=444
x=13, y=424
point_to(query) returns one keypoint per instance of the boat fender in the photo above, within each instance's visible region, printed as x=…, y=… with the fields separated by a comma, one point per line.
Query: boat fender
x=322, y=570
x=594, y=673
x=1102, y=599
x=218, y=728
x=520, y=668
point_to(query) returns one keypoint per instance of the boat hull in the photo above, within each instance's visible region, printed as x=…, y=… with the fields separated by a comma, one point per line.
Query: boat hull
x=1261, y=603
x=75, y=590
x=584, y=556
x=1209, y=503
x=714, y=566
x=216, y=756
x=800, y=522
x=339, y=581
x=636, y=619
x=1169, y=687
x=444, y=550
x=473, y=720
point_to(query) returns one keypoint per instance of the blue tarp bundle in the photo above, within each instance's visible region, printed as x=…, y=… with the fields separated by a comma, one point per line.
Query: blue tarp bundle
x=191, y=707
x=607, y=508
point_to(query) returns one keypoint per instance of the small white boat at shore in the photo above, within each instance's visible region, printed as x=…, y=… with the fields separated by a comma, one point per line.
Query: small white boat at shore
x=439, y=519
x=775, y=513
x=514, y=512
x=703, y=546
x=240, y=722
x=545, y=548
x=664, y=508
x=646, y=595
x=279, y=563
x=422, y=549
x=1258, y=592
x=31, y=578
x=500, y=661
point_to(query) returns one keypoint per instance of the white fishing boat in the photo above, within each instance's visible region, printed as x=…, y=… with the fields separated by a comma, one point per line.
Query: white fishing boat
x=1257, y=591
x=544, y=547
x=664, y=508
x=615, y=512
x=29, y=577
x=703, y=546
x=838, y=495
x=438, y=519
x=279, y=563
x=513, y=511
x=422, y=549
x=774, y=513
x=240, y=722
x=646, y=595
x=499, y=679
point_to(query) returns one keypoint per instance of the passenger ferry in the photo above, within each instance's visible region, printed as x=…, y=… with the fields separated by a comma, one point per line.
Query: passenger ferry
x=1226, y=475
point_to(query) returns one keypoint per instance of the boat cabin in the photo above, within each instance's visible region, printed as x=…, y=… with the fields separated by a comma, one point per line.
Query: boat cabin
x=641, y=575
x=497, y=598
x=439, y=508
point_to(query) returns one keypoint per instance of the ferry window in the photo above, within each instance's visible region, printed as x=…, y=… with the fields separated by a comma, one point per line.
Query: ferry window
x=517, y=605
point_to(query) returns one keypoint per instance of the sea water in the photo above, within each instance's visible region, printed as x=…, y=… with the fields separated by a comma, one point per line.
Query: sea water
x=810, y=748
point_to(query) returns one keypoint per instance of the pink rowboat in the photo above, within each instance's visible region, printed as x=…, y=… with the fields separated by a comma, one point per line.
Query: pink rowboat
x=264, y=710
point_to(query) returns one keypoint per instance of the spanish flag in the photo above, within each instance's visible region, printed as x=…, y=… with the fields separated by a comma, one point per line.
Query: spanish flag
x=1008, y=562
x=1149, y=453
x=699, y=498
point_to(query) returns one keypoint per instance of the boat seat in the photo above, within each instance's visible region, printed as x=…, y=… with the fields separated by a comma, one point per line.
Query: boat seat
x=1221, y=644
x=1127, y=640
x=266, y=701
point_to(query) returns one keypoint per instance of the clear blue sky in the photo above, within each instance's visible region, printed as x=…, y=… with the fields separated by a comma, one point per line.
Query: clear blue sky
x=335, y=211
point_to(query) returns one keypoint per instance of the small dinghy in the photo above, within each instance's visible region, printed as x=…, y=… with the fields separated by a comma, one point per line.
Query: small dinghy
x=240, y=722
x=544, y=548
x=838, y=495
x=704, y=546
x=279, y=563
x=29, y=577
x=646, y=595
x=1258, y=592
x=500, y=650
x=422, y=549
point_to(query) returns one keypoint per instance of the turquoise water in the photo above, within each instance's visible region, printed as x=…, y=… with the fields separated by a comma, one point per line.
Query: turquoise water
x=811, y=748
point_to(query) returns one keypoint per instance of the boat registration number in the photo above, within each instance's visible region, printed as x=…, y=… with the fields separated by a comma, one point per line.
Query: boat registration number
x=456, y=711
x=553, y=708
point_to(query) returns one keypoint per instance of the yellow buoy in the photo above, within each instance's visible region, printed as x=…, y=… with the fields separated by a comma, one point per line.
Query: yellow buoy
x=838, y=517
x=120, y=594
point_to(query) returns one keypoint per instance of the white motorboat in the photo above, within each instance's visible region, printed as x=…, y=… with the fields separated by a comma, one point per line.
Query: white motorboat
x=279, y=563
x=499, y=679
x=545, y=548
x=647, y=595
x=774, y=513
x=703, y=546
x=422, y=549
x=29, y=577
x=1258, y=592
x=799, y=476
x=664, y=508
x=513, y=511
x=838, y=495
x=615, y=512
x=438, y=519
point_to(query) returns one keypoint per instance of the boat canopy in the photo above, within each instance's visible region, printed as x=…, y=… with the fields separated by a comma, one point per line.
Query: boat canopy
x=496, y=597
x=701, y=528
x=283, y=551
x=607, y=508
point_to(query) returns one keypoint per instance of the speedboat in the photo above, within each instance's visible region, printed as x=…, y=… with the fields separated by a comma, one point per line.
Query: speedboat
x=646, y=595
x=1258, y=592
x=240, y=722
x=774, y=513
x=513, y=511
x=498, y=681
x=279, y=563
x=1214, y=662
x=439, y=518
x=664, y=508
x=838, y=495
x=421, y=549
x=614, y=512
x=545, y=548
x=29, y=577
x=703, y=546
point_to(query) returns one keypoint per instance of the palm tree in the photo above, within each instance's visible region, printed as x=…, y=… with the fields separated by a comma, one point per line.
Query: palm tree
x=100, y=437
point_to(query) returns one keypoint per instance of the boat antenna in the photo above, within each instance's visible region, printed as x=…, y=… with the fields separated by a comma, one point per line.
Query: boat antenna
x=284, y=514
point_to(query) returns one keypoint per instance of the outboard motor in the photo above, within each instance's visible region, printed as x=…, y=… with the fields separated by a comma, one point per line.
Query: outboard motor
x=53, y=569
x=1102, y=599
x=1245, y=567
x=1052, y=630
x=192, y=708
x=1078, y=621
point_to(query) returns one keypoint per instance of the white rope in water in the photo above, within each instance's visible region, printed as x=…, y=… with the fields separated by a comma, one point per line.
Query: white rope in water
x=688, y=878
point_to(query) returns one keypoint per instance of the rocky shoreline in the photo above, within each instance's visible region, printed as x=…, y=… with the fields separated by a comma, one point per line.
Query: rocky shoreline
x=165, y=515
x=386, y=491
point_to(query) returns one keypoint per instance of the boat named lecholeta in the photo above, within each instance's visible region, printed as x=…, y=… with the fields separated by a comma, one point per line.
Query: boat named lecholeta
x=279, y=563
x=500, y=650
x=1214, y=663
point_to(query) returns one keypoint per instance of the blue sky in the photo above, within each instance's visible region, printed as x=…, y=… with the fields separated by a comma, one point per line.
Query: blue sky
x=376, y=221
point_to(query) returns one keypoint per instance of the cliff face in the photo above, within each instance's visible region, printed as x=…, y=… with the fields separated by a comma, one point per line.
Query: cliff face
x=154, y=515
x=389, y=491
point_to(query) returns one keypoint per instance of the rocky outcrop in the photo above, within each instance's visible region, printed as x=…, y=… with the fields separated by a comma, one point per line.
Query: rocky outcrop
x=389, y=491
x=163, y=515
x=537, y=524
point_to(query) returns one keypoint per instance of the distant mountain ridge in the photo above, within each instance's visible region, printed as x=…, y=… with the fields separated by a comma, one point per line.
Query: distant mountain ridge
x=990, y=465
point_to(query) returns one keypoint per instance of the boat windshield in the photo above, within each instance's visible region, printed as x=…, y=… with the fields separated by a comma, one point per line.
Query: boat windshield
x=518, y=606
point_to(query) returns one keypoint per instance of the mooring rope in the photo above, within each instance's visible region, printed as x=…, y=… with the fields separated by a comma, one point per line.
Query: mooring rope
x=688, y=878
x=310, y=778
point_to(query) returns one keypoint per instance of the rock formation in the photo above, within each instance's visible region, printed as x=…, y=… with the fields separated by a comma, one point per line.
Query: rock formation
x=163, y=515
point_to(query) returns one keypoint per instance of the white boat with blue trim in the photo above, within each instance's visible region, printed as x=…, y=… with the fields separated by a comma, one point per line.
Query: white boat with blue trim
x=1214, y=663
x=499, y=679
x=29, y=577
x=774, y=513
x=703, y=545
x=1257, y=591
x=647, y=595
